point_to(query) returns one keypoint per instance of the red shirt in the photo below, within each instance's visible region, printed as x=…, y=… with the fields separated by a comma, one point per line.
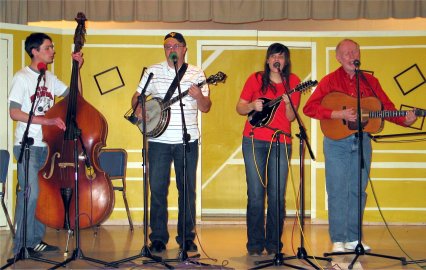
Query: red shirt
x=252, y=91
x=340, y=81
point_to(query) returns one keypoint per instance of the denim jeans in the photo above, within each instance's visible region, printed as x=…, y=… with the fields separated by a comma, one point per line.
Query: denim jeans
x=35, y=229
x=160, y=156
x=258, y=238
x=342, y=183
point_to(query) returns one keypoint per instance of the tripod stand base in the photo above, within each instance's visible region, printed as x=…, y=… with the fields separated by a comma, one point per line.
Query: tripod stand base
x=359, y=250
x=183, y=258
x=303, y=255
x=24, y=254
x=276, y=261
x=145, y=253
x=415, y=262
x=78, y=254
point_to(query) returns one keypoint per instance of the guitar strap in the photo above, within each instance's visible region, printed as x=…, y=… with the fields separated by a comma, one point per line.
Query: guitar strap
x=174, y=84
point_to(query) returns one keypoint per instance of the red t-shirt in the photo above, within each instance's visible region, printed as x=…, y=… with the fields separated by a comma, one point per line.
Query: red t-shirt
x=252, y=91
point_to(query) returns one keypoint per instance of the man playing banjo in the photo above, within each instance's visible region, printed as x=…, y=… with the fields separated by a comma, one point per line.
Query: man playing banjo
x=167, y=145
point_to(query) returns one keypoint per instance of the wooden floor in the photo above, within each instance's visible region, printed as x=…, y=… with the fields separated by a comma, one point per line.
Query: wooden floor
x=223, y=247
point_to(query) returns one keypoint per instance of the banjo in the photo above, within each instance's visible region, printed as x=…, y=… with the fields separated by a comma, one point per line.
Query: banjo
x=158, y=112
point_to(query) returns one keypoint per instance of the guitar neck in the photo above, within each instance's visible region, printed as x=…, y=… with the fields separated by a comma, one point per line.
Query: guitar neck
x=388, y=114
x=178, y=97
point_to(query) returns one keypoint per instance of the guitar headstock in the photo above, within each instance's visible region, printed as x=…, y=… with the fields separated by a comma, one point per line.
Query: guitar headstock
x=306, y=86
x=80, y=31
x=218, y=77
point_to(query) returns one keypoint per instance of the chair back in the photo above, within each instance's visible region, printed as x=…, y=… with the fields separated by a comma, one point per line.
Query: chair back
x=4, y=165
x=114, y=162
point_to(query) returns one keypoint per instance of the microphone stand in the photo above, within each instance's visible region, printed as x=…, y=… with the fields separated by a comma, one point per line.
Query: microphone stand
x=301, y=251
x=145, y=251
x=359, y=249
x=26, y=142
x=74, y=133
x=279, y=256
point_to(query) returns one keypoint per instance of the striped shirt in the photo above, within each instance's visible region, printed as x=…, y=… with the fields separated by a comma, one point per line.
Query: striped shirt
x=158, y=86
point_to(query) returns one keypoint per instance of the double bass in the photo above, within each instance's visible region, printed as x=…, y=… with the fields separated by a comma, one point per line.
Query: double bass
x=72, y=159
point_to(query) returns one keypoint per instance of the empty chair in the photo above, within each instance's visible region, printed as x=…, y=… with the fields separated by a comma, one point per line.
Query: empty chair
x=4, y=165
x=114, y=162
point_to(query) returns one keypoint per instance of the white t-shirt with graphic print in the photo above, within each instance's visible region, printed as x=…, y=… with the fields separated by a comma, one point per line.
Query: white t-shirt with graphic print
x=22, y=91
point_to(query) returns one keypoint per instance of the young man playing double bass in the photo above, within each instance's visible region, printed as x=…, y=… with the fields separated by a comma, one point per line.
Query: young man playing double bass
x=40, y=48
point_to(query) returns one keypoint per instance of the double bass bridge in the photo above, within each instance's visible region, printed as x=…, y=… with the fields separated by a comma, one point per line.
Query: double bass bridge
x=90, y=174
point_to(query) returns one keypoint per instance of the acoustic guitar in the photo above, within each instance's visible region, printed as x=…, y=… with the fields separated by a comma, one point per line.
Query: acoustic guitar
x=372, y=115
x=264, y=117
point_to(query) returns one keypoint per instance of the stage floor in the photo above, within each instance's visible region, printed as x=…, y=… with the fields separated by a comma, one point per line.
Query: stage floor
x=223, y=246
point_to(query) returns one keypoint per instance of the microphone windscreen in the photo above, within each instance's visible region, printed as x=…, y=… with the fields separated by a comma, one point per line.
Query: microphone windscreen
x=41, y=67
x=173, y=56
x=277, y=65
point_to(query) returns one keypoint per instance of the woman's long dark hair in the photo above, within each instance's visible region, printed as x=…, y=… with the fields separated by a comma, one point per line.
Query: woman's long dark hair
x=266, y=81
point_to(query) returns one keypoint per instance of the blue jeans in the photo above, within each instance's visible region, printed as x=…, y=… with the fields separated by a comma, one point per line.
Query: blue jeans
x=258, y=239
x=342, y=183
x=35, y=229
x=161, y=156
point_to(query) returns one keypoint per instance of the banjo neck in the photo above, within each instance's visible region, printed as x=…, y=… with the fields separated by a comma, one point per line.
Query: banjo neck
x=169, y=103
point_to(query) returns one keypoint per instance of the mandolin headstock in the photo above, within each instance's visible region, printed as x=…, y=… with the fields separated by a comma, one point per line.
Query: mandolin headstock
x=218, y=77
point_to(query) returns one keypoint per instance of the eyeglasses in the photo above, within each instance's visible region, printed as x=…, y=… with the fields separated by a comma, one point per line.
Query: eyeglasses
x=175, y=46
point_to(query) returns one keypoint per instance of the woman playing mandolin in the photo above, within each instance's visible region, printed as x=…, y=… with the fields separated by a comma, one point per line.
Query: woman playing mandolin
x=259, y=148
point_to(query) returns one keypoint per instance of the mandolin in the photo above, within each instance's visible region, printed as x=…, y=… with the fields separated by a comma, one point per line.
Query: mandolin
x=264, y=117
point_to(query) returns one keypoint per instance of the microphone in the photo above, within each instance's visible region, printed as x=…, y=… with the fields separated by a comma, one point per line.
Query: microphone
x=277, y=65
x=42, y=68
x=173, y=56
x=132, y=118
x=356, y=63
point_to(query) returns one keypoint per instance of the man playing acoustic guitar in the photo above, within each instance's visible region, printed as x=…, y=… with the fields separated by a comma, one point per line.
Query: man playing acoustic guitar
x=341, y=154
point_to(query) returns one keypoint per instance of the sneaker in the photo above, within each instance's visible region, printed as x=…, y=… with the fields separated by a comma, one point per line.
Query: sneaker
x=157, y=246
x=352, y=245
x=33, y=253
x=22, y=256
x=254, y=253
x=338, y=247
x=45, y=247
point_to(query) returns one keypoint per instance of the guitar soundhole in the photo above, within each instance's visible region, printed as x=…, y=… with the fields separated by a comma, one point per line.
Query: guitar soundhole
x=352, y=125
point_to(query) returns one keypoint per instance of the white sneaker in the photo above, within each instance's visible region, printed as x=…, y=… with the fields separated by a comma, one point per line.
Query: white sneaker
x=352, y=245
x=338, y=247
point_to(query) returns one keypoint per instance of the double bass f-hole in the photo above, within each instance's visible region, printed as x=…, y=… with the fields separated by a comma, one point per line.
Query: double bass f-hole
x=89, y=170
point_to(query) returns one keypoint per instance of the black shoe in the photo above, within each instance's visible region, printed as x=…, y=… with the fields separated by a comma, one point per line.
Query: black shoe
x=190, y=246
x=45, y=247
x=157, y=246
x=254, y=253
x=272, y=251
